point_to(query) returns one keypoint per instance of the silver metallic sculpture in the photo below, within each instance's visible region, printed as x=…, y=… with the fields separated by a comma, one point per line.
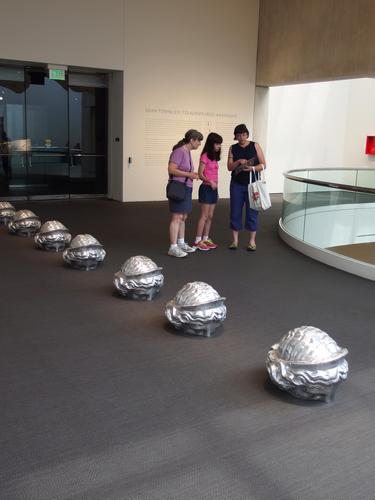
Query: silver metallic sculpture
x=85, y=252
x=308, y=364
x=53, y=236
x=197, y=309
x=7, y=212
x=139, y=278
x=24, y=223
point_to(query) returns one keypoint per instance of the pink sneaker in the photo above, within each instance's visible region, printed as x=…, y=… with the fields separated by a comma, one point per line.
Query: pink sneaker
x=210, y=244
x=201, y=245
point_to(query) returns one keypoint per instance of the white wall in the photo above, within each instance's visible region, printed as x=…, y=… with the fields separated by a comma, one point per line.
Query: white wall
x=319, y=125
x=188, y=65
x=75, y=33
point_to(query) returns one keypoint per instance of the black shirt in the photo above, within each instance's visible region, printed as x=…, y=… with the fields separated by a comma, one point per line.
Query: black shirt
x=247, y=153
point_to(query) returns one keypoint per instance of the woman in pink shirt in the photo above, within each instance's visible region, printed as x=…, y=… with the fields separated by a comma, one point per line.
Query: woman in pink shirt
x=208, y=196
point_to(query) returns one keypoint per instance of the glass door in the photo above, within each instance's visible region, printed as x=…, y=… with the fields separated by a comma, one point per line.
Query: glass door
x=88, y=104
x=53, y=133
x=13, y=145
x=47, y=131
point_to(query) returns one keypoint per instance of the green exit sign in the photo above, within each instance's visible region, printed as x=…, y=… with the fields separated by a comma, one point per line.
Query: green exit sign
x=57, y=74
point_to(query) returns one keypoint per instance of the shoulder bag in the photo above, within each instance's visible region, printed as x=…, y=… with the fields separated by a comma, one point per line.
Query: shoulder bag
x=176, y=190
x=259, y=198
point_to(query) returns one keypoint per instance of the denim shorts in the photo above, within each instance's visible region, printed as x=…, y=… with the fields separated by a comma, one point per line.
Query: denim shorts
x=207, y=194
x=184, y=206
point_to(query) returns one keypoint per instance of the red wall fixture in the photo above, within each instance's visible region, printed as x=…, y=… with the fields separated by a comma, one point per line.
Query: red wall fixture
x=370, y=145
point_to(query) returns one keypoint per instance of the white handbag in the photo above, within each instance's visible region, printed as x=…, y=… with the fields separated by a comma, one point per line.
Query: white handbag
x=259, y=197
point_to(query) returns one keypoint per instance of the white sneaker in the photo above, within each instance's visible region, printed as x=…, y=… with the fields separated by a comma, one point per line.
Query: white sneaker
x=176, y=252
x=186, y=248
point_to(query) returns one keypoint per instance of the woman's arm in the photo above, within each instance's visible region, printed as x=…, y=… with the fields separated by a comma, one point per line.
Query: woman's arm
x=262, y=161
x=231, y=165
x=175, y=171
x=261, y=157
x=200, y=172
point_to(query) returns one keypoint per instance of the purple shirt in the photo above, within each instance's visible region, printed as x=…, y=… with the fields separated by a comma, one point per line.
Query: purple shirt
x=182, y=158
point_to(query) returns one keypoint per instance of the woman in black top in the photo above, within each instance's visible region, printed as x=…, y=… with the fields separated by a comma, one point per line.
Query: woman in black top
x=242, y=158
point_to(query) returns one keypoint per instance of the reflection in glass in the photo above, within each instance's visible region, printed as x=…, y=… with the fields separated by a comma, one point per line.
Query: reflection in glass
x=13, y=171
x=88, y=103
x=294, y=204
x=88, y=174
x=329, y=217
x=47, y=130
x=46, y=111
x=88, y=120
x=53, y=138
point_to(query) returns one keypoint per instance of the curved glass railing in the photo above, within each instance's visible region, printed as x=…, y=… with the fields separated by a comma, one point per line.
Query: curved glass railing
x=332, y=210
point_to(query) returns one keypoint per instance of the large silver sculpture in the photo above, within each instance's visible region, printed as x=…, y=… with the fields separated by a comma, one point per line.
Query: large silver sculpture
x=197, y=309
x=7, y=212
x=139, y=278
x=85, y=252
x=24, y=223
x=308, y=364
x=53, y=236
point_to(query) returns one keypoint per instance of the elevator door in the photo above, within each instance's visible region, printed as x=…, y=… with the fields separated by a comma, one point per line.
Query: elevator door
x=53, y=134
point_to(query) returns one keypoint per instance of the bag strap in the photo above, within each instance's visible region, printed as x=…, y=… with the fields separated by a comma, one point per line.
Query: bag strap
x=262, y=176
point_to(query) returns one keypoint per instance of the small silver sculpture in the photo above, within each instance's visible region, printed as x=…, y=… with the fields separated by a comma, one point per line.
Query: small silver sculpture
x=7, y=212
x=53, y=236
x=308, y=364
x=85, y=252
x=24, y=223
x=139, y=278
x=197, y=309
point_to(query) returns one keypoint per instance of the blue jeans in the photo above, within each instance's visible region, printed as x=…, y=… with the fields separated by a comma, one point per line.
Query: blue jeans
x=238, y=198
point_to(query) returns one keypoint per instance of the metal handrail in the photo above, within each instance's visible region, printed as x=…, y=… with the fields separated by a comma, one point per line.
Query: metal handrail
x=335, y=185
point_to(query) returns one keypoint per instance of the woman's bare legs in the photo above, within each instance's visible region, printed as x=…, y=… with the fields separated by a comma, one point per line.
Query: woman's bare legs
x=177, y=220
x=235, y=237
x=210, y=214
x=253, y=235
x=202, y=223
x=181, y=230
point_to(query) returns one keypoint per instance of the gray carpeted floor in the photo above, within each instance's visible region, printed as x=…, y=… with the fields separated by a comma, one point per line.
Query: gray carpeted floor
x=100, y=400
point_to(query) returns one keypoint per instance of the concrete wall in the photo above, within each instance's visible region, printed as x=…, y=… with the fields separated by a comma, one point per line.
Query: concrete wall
x=315, y=40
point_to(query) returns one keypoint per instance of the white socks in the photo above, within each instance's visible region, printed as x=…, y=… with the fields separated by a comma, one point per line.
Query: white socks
x=180, y=241
x=198, y=239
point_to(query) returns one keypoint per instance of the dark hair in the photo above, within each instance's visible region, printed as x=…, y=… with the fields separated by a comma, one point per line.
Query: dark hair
x=241, y=129
x=211, y=140
x=190, y=135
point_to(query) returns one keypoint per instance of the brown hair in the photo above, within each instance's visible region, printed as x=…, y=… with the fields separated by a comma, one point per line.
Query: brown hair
x=190, y=135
